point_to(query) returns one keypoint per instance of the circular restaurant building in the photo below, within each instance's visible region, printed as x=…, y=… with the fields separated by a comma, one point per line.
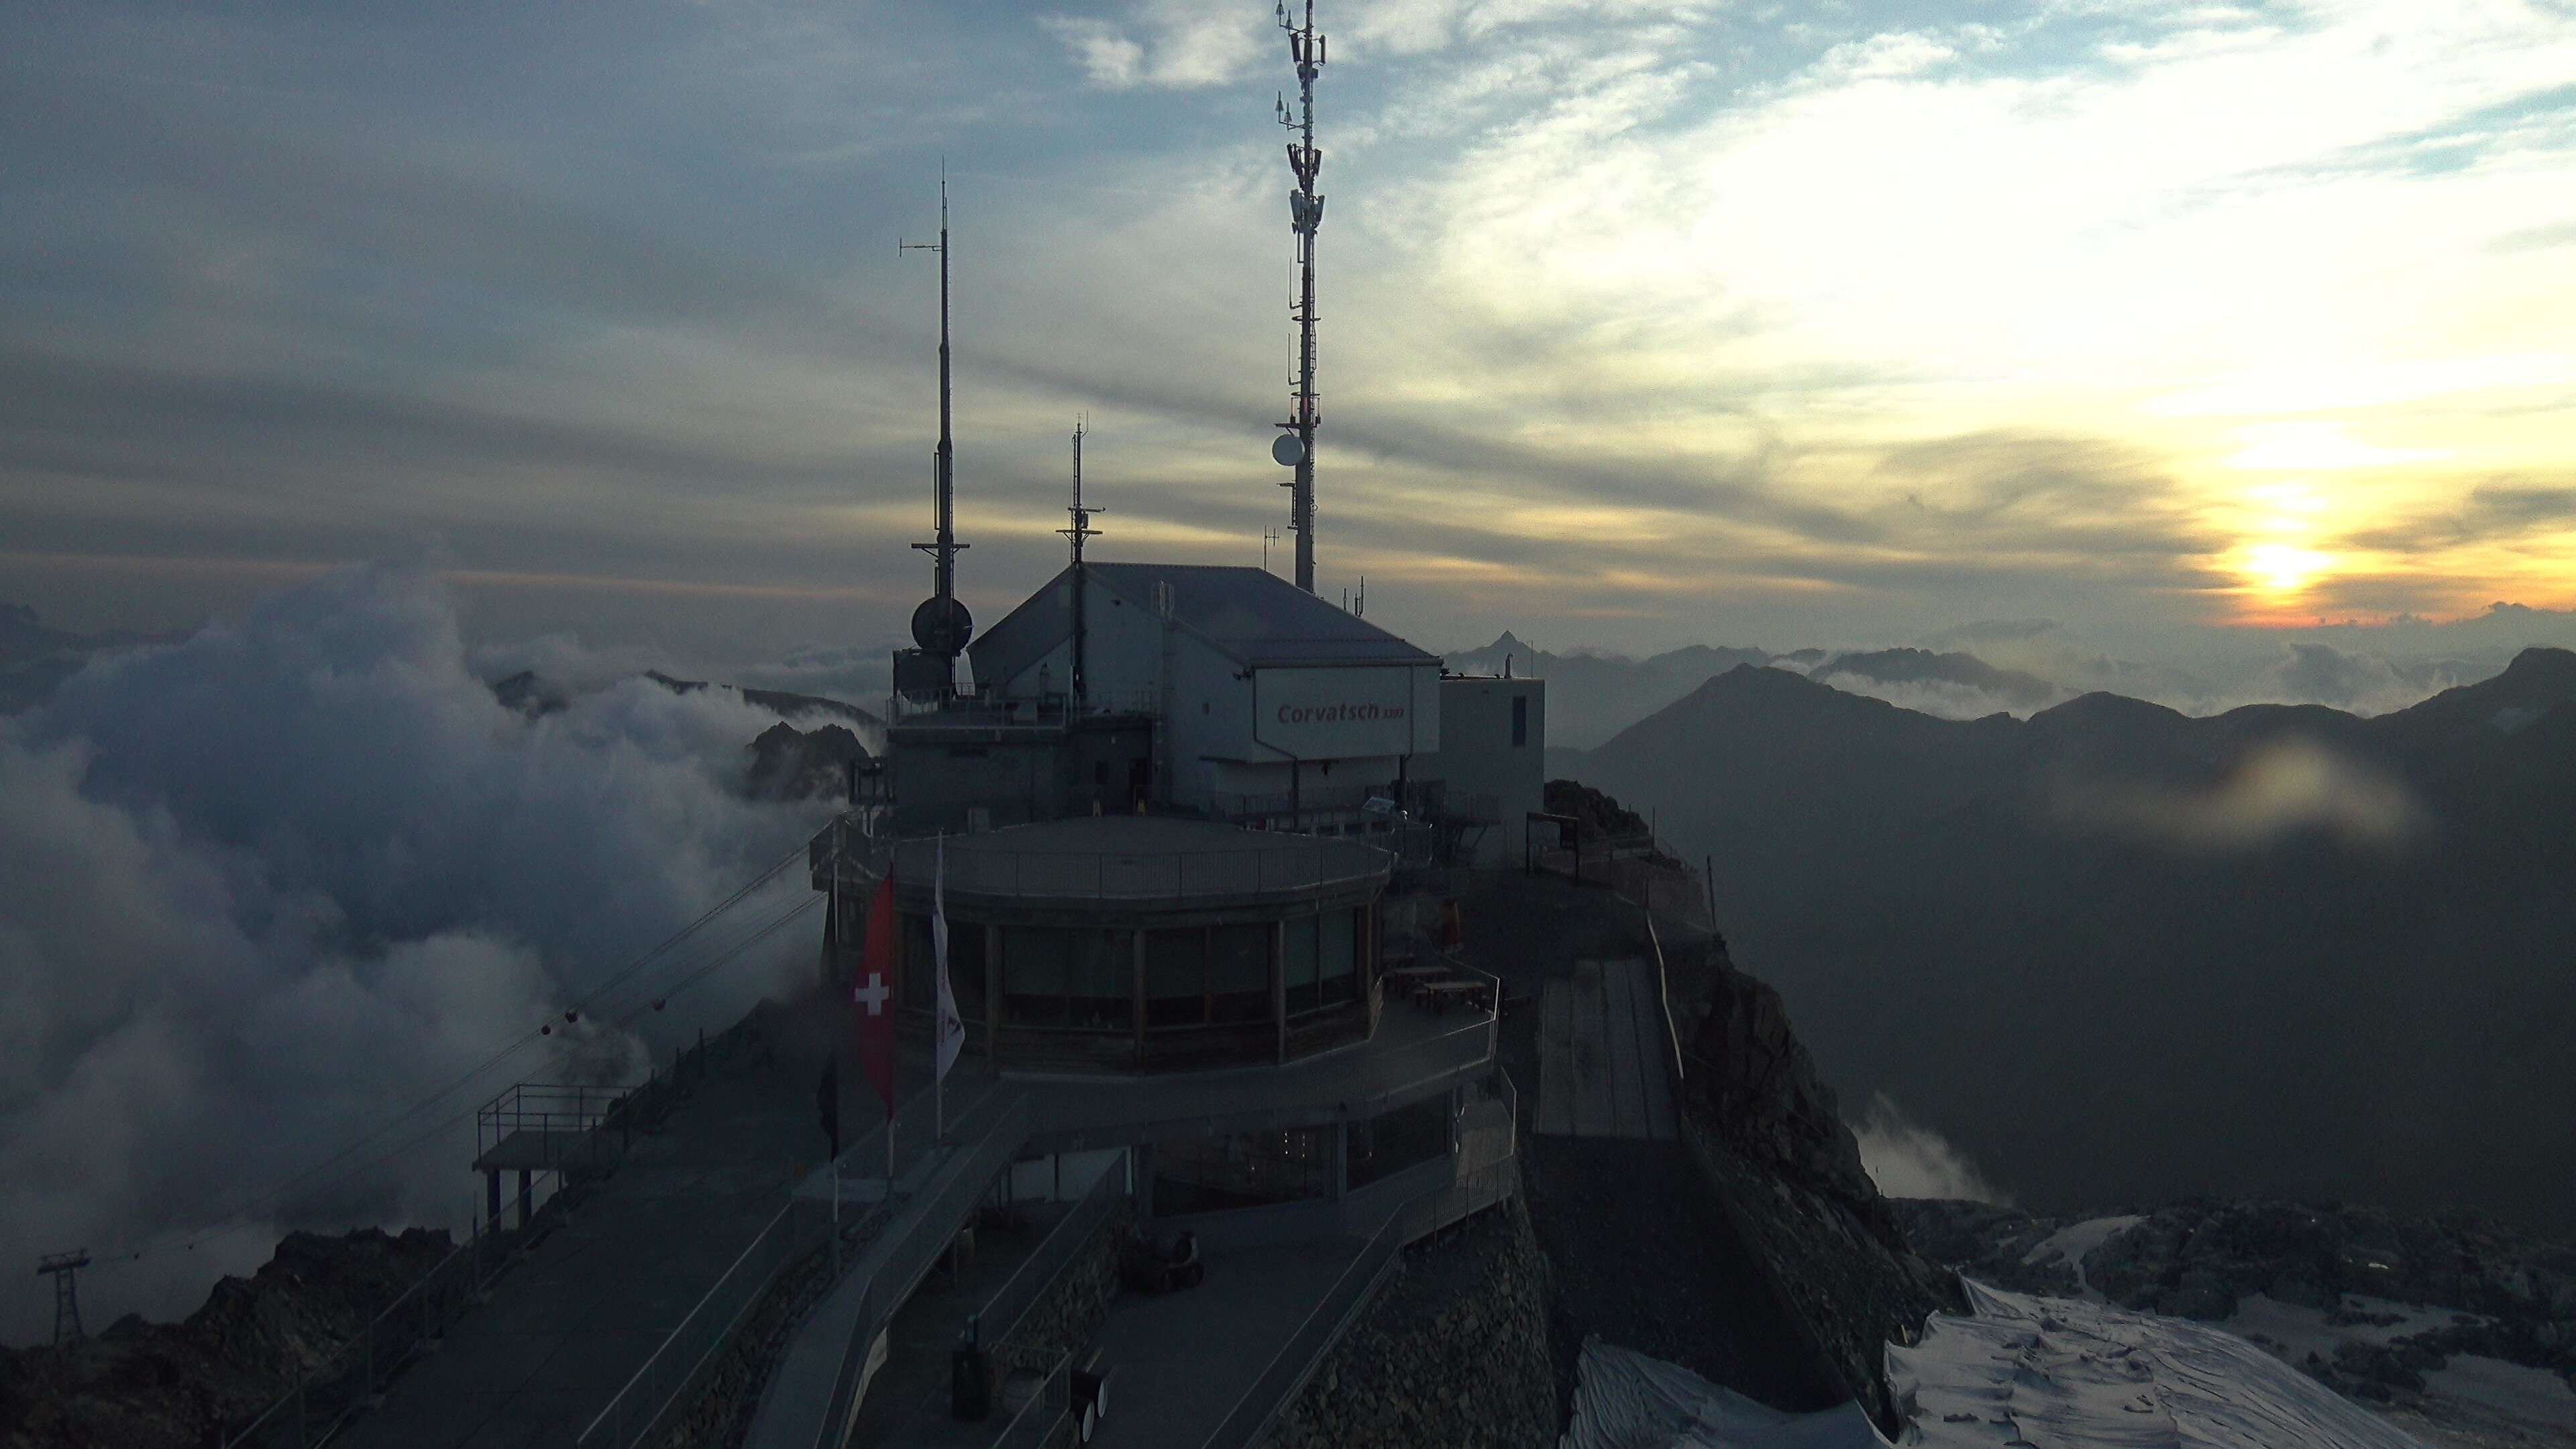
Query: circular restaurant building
x=1143, y=943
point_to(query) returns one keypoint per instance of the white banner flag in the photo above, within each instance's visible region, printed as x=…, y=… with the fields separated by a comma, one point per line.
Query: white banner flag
x=948, y=1033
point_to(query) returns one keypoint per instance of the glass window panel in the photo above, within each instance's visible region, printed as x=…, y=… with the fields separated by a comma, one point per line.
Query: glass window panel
x=1397, y=1140
x=966, y=967
x=1246, y=1170
x=1239, y=972
x=1102, y=986
x=1297, y=962
x=1034, y=969
x=1338, y=957
x=1175, y=977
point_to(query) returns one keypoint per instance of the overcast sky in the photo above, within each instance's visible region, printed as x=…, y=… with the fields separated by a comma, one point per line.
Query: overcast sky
x=1775, y=324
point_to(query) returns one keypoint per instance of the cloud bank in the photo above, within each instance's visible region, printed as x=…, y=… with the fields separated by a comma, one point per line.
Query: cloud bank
x=1907, y=1159
x=265, y=888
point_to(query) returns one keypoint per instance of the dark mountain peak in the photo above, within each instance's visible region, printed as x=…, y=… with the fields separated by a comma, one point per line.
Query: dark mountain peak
x=2538, y=680
x=1918, y=666
x=1715, y=656
x=792, y=764
x=2102, y=709
x=524, y=693
x=1764, y=681
x=2544, y=671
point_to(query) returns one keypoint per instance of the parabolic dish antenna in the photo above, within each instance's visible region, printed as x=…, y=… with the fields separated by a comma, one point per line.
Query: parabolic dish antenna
x=1287, y=450
x=942, y=626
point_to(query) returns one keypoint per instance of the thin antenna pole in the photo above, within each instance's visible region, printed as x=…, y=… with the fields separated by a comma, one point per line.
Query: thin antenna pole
x=1080, y=530
x=943, y=473
x=1306, y=214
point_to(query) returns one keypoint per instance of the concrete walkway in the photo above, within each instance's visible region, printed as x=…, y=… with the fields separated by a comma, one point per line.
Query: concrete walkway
x=908, y=1400
x=1604, y=1063
x=1181, y=1361
x=568, y=1325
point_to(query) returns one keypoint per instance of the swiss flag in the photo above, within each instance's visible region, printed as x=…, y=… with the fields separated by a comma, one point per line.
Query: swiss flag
x=872, y=996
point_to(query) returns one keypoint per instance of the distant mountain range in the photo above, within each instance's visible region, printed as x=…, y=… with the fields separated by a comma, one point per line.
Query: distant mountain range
x=34, y=657
x=2116, y=952
x=1594, y=696
x=1598, y=694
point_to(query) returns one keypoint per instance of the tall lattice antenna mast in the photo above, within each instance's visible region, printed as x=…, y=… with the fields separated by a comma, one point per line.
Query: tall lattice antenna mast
x=941, y=625
x=1296, y=444
x=1081, y=530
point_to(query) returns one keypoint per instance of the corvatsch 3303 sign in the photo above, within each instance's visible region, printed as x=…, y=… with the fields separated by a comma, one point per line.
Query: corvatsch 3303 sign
x=1345, y=713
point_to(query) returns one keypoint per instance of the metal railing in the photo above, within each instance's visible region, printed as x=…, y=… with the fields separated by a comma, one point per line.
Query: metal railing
x=972, y=709
x=1270, y=1395
x=1037, y=1419
x=912, y=1257
x=670, y=1379
x=549, y=1110
x=1257, y=1119
x=1001, y=1314
x=1121, y=875
x=322, y=1398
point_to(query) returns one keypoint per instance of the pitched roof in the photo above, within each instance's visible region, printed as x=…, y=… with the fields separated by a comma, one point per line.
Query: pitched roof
x=1251, y=614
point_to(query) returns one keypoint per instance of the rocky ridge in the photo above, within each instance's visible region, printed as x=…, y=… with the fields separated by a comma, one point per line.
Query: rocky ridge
x=148, y=1385
x=1769, y=1133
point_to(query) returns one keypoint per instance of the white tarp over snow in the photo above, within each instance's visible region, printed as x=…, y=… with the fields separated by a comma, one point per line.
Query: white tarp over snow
x=2044, y=1372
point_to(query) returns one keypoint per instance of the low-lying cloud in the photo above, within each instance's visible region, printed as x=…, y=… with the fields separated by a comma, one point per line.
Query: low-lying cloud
x=1907, y=1159
x=265, y=888
x=2280, y=788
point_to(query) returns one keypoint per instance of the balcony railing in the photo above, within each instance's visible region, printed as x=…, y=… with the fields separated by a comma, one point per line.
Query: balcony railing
x=1123, y=876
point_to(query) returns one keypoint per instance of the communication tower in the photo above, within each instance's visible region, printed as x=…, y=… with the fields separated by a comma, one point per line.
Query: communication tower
x=1295, y=445
x=941, y=625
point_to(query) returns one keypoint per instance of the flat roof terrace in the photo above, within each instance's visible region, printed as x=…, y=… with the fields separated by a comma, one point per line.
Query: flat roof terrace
x=1145, y=860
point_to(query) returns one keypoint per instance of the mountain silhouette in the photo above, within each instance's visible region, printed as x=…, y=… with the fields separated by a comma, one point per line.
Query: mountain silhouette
x=2118, y=953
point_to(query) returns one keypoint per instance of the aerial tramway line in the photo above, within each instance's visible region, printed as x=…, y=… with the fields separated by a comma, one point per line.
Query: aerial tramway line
x=652, y=997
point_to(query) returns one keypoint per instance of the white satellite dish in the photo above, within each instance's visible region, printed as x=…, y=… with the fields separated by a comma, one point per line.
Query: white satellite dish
x=1287, y=450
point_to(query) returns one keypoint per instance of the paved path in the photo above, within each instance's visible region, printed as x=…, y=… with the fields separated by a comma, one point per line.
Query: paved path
x=567, y=1326
x=1182, y=1360
x=1604, y=1067
x=908, y=1400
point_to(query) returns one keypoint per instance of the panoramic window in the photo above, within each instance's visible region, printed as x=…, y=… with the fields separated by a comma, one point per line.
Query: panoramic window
x=1239, y=973
x=1176, y=977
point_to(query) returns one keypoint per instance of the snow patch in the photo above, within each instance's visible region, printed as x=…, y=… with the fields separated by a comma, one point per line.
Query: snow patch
x=2017, y=1370
x=2528, y=1395
x=2074, y=1243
